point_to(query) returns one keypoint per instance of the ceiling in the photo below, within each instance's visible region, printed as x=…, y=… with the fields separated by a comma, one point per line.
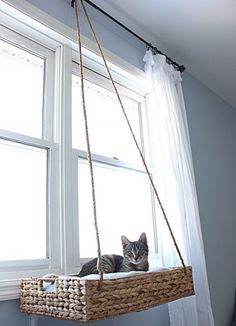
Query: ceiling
x=199, y=34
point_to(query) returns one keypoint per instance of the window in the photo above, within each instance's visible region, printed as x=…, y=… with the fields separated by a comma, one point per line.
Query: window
x=109, y=134
x=23, y=193
x=123, y=192
x=22, y=90
x=45, y=199
x=29, y=159
x=124, y=206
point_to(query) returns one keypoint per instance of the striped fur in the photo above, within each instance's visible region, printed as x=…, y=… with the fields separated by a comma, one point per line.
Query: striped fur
x=135, y=258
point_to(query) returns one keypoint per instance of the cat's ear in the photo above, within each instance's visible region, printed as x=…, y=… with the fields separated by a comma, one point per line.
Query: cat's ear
x=143, y=238
x=125, y=241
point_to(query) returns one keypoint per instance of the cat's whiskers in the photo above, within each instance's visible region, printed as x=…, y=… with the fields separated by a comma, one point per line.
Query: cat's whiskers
x=135, y=257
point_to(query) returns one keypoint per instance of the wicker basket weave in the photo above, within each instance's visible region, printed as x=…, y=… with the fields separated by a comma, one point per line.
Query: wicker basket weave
x=80, y=300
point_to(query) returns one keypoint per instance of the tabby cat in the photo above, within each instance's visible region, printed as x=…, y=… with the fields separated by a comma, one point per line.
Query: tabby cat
x=135, y=258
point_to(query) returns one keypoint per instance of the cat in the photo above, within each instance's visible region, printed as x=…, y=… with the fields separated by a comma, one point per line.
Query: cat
x=135, y=258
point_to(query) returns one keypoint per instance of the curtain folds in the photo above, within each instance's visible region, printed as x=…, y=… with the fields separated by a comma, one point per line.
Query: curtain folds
x=174, y=178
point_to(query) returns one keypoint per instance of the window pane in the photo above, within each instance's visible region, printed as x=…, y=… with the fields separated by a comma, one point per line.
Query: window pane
x=23, y=171
x=21, y=84
x=109, y=134
x=123, y=207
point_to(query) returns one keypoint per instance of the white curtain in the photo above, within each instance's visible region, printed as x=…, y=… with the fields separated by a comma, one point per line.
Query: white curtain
x=174, y=177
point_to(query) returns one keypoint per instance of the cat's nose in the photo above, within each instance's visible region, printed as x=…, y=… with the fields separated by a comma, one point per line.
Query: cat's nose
x=136, y=258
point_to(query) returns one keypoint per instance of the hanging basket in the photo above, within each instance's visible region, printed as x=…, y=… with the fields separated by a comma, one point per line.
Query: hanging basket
x=86, y=300
x=82, y=301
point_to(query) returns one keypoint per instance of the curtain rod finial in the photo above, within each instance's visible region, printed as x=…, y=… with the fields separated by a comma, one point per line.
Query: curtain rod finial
x=182, y=68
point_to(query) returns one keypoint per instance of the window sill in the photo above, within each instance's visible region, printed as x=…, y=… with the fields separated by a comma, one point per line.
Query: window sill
x=12, y=273
x=9, y=290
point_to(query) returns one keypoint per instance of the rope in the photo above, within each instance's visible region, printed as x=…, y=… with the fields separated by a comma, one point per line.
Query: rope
x=89, y=155
x=132, y=133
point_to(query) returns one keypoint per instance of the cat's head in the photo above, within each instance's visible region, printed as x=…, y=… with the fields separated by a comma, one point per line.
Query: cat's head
x=135, y=252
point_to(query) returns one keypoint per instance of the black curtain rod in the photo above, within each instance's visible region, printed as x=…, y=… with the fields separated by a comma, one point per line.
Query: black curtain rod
x=181, y=68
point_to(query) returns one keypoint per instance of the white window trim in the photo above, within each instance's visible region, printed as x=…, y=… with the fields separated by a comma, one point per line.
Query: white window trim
x=10, y=269
x=98, y=78
x=9, y=289
x=23, y=16
x=26, y=19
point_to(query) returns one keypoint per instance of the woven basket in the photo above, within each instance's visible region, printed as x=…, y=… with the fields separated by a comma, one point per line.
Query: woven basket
x=80, y=300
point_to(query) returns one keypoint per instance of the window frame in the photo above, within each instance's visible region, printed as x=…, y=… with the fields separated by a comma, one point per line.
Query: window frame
x=13, y=270
x=99, y=78
x=27, y=22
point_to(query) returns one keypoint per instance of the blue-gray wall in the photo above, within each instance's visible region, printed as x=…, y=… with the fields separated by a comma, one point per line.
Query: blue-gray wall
x=10, y=314
x=212, y=125
x=111, y=36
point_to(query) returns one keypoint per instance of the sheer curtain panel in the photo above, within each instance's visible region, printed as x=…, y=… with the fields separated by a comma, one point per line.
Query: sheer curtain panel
x=174, y=177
